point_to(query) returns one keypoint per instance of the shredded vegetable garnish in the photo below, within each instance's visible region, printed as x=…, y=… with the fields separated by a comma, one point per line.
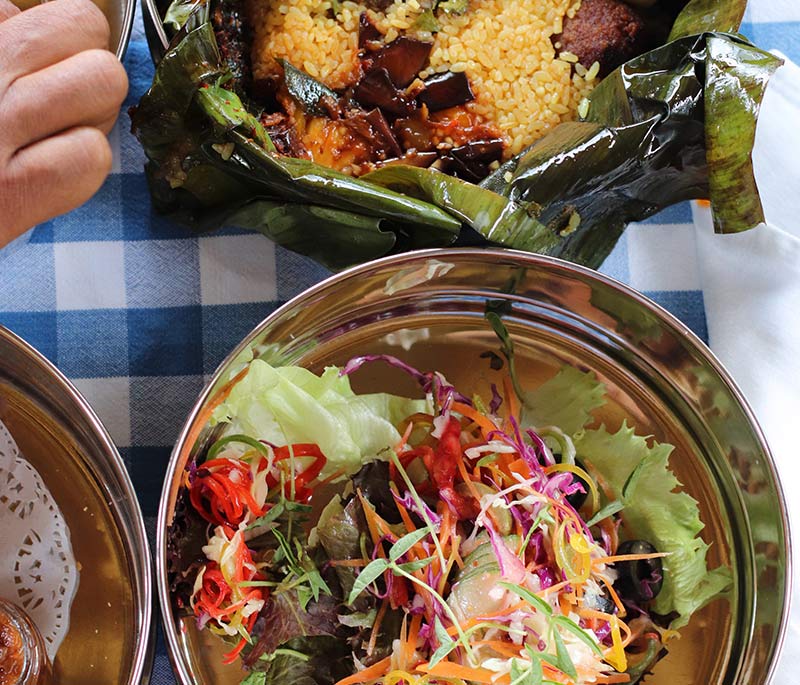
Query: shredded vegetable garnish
x=471, y=548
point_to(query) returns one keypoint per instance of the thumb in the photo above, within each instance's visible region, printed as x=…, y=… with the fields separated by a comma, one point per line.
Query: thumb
x=7, y=10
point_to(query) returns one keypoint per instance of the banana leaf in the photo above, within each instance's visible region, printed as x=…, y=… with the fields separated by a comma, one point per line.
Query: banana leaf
x=673, y=124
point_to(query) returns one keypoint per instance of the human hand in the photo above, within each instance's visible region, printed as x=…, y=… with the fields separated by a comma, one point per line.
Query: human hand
x=60, y=93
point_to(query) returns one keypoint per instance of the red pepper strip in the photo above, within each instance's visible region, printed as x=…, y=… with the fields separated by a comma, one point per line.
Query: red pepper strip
x=442, y=464
x=221, y=497
x=230, y=657
x=302, y=492
x=398, y=597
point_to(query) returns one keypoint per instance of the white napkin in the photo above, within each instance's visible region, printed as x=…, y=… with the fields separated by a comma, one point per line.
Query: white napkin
x=751, y=289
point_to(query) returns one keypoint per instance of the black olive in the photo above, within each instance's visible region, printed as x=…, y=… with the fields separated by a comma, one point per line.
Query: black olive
x=639, y=580
x=576, y=499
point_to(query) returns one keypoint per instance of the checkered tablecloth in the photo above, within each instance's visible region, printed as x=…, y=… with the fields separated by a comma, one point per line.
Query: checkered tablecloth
x=137, y=312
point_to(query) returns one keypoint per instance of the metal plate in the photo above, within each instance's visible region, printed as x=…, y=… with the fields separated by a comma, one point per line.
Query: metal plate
x=111, y=636
x=428, y=307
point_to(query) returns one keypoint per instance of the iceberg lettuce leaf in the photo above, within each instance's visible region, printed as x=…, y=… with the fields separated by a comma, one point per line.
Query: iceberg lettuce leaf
x=285, y=405
x=566, y=400
x=638, y=472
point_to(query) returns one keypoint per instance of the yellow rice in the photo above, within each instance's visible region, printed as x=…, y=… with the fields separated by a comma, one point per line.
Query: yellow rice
x=521, y=84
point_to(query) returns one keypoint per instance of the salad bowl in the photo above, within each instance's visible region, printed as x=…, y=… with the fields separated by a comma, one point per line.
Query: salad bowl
x=465, y=313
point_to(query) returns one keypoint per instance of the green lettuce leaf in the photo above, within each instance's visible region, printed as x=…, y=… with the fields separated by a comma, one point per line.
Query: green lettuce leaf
x=290, y=404
x=655, y=511
x=283, y=619
x=566, y=400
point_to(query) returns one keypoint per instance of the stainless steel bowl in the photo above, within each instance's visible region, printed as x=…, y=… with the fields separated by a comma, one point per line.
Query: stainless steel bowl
x=120, y=14
x=429, y=307
x=111, y=636
x=153, y=12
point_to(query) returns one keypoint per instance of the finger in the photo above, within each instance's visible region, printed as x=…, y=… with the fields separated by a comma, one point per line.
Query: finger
x=54, y=176
x=7, y=10
x=48, y=33
x=86, y=89
x=108, y=124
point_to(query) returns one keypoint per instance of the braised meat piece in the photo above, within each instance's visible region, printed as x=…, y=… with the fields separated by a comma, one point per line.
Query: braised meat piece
x=605, y=31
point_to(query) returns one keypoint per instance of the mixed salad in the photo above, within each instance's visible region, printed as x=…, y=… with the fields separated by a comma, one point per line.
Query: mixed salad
x=334, y=537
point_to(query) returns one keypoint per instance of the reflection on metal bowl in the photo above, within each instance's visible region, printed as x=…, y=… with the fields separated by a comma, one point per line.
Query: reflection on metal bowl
x=428, y=308
x=109, y=638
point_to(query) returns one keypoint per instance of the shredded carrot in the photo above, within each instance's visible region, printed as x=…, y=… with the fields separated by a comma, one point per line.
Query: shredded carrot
x=348, y=562
x=450, y=669
x=511, y=398
x=370, y=673
x=336, y=474
x=462, y=469
x=563, y=604
x=485, y=423
x=628, y=557
x=472, y=622
x=611, y=618
x=404, y=515
x=613, y=678
x=614, y=597
x=376, y=627
x=506, y=649
x=404, y=440
x=602, y=482
x=410, y=645
x=554, y=588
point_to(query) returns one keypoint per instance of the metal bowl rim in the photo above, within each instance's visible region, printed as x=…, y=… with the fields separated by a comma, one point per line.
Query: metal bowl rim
x=128, y=17
x=523, y=258
x=145, y=648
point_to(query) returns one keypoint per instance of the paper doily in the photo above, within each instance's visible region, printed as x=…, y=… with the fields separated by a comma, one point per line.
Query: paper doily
x=37, y=567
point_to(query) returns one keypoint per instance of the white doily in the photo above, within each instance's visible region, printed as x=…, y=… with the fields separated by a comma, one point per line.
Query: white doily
x=37, y=567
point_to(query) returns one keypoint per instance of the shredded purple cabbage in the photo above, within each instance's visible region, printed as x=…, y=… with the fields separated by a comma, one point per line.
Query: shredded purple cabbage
x=409, y=503
x=497, y=400
x=546, y=577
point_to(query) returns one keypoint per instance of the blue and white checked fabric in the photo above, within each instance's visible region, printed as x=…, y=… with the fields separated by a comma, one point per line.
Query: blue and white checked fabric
x=138, y=312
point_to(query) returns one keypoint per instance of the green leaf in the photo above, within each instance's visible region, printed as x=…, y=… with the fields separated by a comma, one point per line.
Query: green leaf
x=496, y=218
x=673, y=124
x=411, y=566
x=288, y=405
x=563, y=660
x=537, y=602
x=641, y=147
x=426, y=21
x=566, y=400
x=736, y=78
x=226, y=110
x=698, y=16
x=254, y=678
x=656, y=511
x=604, y=512
x=446, y=643
x=577, y=631
x=368, y=575
x=337, y=238
x=179, y=11
x=283, y=618
x=406, y=542
x=453, y=6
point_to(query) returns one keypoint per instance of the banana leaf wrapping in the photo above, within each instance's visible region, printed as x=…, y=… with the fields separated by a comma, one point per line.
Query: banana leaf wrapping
x=673, y=124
